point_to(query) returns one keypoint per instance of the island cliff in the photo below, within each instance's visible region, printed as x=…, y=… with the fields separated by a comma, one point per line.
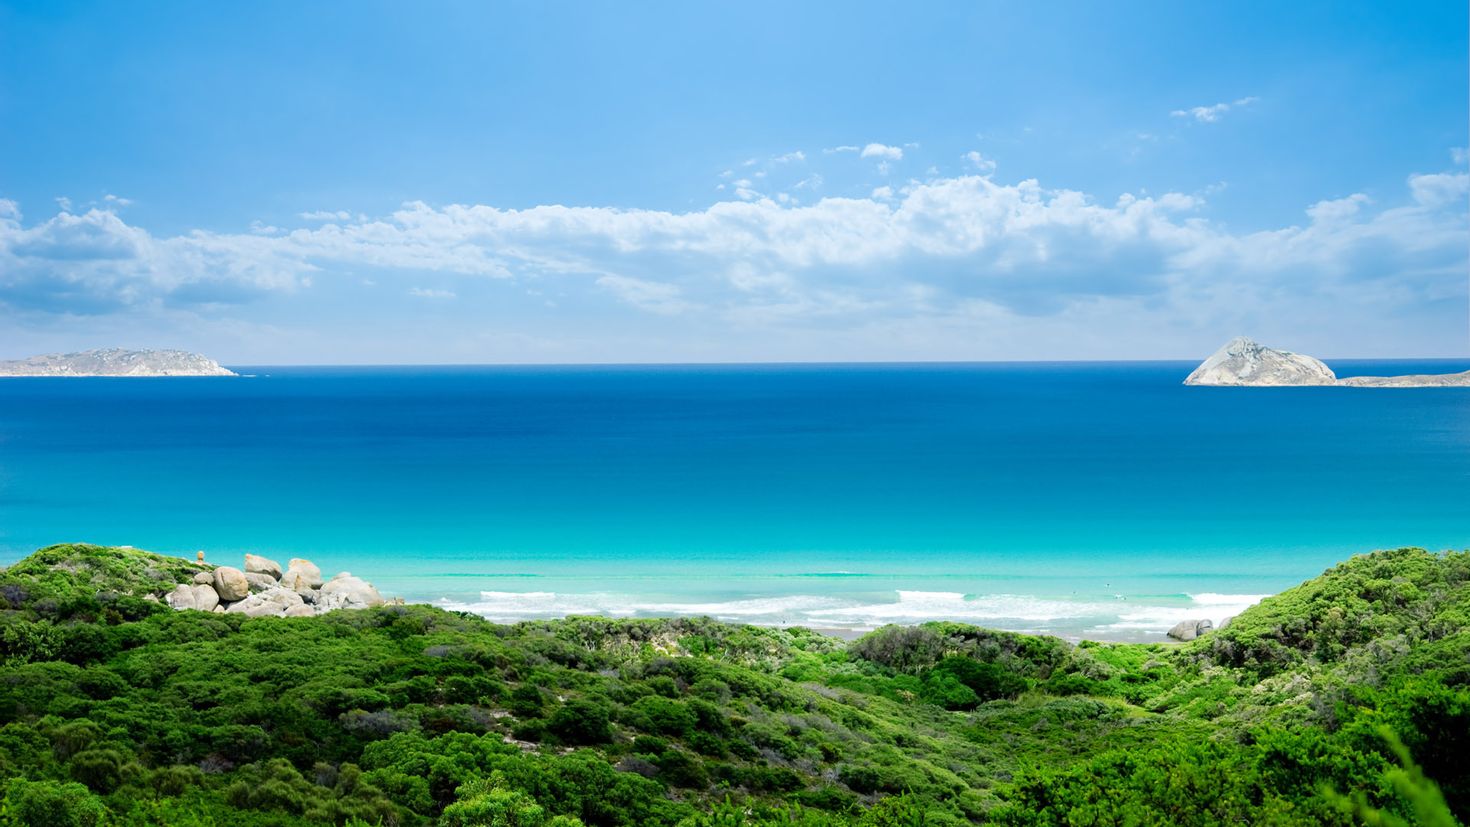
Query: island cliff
x=1243, y=362
x=116, y=362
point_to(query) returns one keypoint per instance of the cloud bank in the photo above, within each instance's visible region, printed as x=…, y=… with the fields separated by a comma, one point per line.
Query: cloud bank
x=939, y=259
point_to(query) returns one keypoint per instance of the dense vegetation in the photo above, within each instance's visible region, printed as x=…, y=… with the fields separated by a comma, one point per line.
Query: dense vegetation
x=1345, y=700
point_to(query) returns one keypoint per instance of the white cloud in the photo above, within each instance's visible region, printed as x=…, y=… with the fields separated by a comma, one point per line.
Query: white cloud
x=1337, y=210
x=326, y=215
x=888, y=153
x=980, y=162
x=1213, y=113
x=789, y=157
x=949, y=254
x=1458, y=155
x=117, y=200
x=843, y=148
x=745, y=190
x=653, y=296
x=1440, y=189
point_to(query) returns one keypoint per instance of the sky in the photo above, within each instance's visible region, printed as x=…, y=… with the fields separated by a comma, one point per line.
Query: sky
x=551, y=182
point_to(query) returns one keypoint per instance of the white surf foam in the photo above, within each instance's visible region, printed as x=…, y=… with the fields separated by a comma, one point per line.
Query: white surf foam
x=509, y=607
x=1007, y=611
x=1215, y=607
x=918, y=607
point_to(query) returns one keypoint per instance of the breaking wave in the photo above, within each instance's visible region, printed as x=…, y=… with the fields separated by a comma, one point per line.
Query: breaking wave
x=1117, y=617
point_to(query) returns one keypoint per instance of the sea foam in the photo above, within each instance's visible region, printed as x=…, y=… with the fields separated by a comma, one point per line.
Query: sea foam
x=1114, y=617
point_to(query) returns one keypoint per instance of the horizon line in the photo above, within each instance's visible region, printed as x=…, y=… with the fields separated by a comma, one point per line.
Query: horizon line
x=798, y=362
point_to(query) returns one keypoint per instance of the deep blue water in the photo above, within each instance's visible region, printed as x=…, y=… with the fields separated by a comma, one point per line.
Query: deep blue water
x=1086, y=498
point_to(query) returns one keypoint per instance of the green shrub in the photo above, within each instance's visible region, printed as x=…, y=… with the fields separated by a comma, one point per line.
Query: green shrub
x=52, y=804
x=581, y=722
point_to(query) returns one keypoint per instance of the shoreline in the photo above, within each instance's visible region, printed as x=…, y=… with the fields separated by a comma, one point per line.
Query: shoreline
x=1084, y=618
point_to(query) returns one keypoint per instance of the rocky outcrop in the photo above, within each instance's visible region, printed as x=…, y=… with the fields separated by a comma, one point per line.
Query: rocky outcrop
x=1244, y=362
x=116, y=362
x=256, y=592
x=1187, y=630
x=269, y=603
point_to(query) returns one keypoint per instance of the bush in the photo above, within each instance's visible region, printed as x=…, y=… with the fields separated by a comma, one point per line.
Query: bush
x=34, y=803
x=989, y=681
x=944, y=689
x=526, y=701
x=662, y=716
x=581, y=722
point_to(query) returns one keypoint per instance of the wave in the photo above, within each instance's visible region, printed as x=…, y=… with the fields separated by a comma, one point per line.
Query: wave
x=1215, y=607
x=1118, y=616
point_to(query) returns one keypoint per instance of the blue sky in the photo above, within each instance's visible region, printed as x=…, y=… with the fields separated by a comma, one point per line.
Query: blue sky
x=555, y=182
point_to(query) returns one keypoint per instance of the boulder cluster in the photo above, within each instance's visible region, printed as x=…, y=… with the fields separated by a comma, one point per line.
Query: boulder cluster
x=263, y=589
x=1187, y=630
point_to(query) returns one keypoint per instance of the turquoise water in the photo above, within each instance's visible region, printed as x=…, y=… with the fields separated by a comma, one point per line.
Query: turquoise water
x=1094, y=499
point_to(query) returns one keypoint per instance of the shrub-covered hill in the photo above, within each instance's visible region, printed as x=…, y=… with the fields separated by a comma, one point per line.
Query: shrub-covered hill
x=117, y=710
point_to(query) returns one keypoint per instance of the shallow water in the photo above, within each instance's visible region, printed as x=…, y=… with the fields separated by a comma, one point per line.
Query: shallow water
x=1097, y=499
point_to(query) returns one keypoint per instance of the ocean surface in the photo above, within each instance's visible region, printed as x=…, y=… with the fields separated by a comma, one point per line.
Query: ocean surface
x=1100, y=500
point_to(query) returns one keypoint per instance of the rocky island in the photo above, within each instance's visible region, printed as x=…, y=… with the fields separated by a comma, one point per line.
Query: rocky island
x=1243, y=362
x=116, y=362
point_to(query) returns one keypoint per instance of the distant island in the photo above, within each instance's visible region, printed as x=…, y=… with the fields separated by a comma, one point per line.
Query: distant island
x=116, y=362
x=1243, y=362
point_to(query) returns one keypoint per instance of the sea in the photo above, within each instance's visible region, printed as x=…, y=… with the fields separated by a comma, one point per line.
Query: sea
x=1088, y=500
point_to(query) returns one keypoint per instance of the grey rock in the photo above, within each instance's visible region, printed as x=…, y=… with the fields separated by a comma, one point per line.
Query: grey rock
x=347, y=592
x=260, y=582
x=306, y=571
x=182, y=597
x=270, y=603
x=204, y=578
x=205, y=597
x=294, y=581
x=230, y=583
x=1188, y=630
x=633, y=763
x=1244, y=362
x=299, y=611
x=255, y=564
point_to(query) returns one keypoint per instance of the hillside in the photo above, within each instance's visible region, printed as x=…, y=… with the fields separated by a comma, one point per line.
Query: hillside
x=115, y=709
